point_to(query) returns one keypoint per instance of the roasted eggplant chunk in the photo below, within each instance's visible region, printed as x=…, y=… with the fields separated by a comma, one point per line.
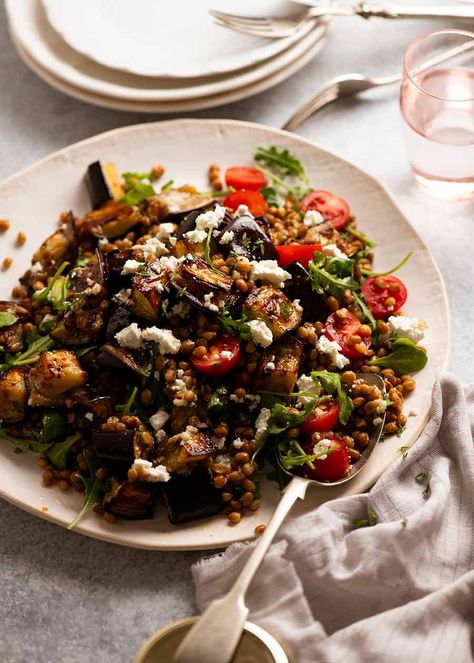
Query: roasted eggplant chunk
x=182, y=416
x=13, y=396
x=273, y=307
x=101, y=406
x=80, y=326
x=85, y=281
x=11, y=336
x=174, y=203
x=192, y=497
x=184, y=451
x=103, y=183
x=249, y=240
x=119, y=319
x=196, y=282
x=120, y=358
x=56, y=248
x=324, y=233
x=145, y=298
x=57, y=371
x=112, y=220
x=131, y=500
x=279, y=365
x=299, y=287
x=119, y=446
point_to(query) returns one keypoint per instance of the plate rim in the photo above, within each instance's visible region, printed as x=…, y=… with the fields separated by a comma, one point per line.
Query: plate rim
x=109, y=536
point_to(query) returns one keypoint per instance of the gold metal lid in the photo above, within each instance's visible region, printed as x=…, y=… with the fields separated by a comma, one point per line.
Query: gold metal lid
x=256, y=645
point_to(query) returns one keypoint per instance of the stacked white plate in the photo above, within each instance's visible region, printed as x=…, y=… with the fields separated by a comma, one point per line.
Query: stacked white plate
x=153, y=56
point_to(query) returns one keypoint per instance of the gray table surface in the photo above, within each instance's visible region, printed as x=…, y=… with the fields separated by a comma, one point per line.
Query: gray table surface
x=69, y=598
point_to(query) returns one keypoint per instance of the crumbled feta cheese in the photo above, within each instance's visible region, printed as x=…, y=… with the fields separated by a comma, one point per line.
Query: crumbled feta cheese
x=152, y=247
x=219, y=442
x=159, y=419
x=243, y=210
x=297, y=305
x=325, y=443
x=165, y=230
x=121, y=297
x=181, y=309
x=89, y=416
x=269, y=271
x=38, y=267
x=380, y=405
x=332, y=348
x=160, y=435
x=307, y=384
x=227, y=237
x=103, y=241
x=167, y=342
x=147, y=472
x=270, y=366
x=377, y=421
x=196, y=236
x=238, y=443
x=236, y=399
x=131, y=267
x=404, y=327
x=226, y=354
x=254, y=400
x=170, y=263
x=260, y=333
x=178, y=385
x=223, y=459
x=208, y=303
x=130, y=337
x=261, y=422
x=93, y=290
x=333, y=250
x=210, y=219
x=313, y=218
x=413, y=413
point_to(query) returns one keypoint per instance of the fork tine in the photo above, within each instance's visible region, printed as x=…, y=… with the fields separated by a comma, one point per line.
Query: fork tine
x=268, y=33
x=252, y=21
x=322, y=98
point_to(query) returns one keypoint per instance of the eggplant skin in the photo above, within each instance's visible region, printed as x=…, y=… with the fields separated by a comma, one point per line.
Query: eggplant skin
x=184, y=451
x=273, y=307
x=299, y=287
x=13, y=396
x=103, y=183
x=119, y=446
x=194, y=280
x=112, y=220
x=174, y=203
x=130, y=500
x=80, y=326
x=145, y=298
x=56, y=372
x=279, y=366
x=191, y=497
x=249, y=240
x=11, y=337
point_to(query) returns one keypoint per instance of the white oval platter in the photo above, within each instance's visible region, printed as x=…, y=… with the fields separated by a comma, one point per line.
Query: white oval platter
x=33, y=199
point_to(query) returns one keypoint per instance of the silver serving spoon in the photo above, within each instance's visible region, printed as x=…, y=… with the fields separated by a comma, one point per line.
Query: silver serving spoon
x=216, y=634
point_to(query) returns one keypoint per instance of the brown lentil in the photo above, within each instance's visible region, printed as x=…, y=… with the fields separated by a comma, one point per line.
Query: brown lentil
x=235, y=517
x=7, y=263
x=4, y=225
x=20, y=238
x=260, y=529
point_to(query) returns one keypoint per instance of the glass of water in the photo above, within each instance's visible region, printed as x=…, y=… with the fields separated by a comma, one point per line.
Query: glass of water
x=437, y=105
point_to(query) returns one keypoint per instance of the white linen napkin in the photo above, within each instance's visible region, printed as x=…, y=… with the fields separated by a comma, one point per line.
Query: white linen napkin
x=401, y=590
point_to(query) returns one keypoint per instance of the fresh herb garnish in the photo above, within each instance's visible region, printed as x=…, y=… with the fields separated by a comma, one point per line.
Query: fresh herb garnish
x=405, y=357
x=94, y=487
x=421, y=477
x=332, y=384
x=331, y=275
x=25, y=443
x=43, y=295
x=272, y=197
x=405, y=450
x=367, y=522
x=167, y=185
x=369, y=244
x=59, y=292
x=365, y=310
x=367, y=272
x=291, y=454
x=57, y=454
x=29, y=356
x=218, y=399
x=285, y=309
x=53, y=427
x=137, y=188
x=126, y=409
x=7, y=319
x=282, y=161
x=280, y=420
x=235, y=326
x=403, y=522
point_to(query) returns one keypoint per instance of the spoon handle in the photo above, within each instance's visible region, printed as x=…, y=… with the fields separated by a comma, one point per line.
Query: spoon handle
x=216, y=634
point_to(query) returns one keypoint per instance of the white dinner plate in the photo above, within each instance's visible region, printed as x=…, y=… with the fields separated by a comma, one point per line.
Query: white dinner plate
x=177, y=39
x=30, y=28
x=181, y=105
x=186, y=148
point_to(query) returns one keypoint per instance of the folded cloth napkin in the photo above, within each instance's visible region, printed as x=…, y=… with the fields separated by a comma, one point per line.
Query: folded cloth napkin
x=401, y=589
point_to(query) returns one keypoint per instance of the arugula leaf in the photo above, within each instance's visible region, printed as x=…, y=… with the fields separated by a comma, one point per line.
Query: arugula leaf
x=272, y=197
x=390, y=271
x=281, y=419
x=405, y=357
x=7, y=319
x=167, y=185
x=367, y=522
x=365, y=310
x=332, y=384
x=25, y=444
x=235, y=326
x=332, y=275
x=293, y=455
x=57, y=454
x=369, y=244
x=137, y=190
x=59, y=292
x=53, y=427
x=218, y=398
x=126, y=409
x=43, y=295
x=282, y=161
x=30, y=356
x=93, y=485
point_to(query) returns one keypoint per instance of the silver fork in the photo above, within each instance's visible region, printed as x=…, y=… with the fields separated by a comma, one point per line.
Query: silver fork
x=348, y=85
x=275, y=28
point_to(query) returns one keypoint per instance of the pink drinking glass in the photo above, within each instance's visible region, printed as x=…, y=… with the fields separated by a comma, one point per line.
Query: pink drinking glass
x=437, y=105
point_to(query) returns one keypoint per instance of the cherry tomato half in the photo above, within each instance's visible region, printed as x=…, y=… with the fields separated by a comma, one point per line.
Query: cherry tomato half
x=222, y=357
x=322, y=419
x=253, y=199
x=302, y=253
x=245, y=178
x=332, y=207
x=378, y=289
x=341, y=329
x=331, y=468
